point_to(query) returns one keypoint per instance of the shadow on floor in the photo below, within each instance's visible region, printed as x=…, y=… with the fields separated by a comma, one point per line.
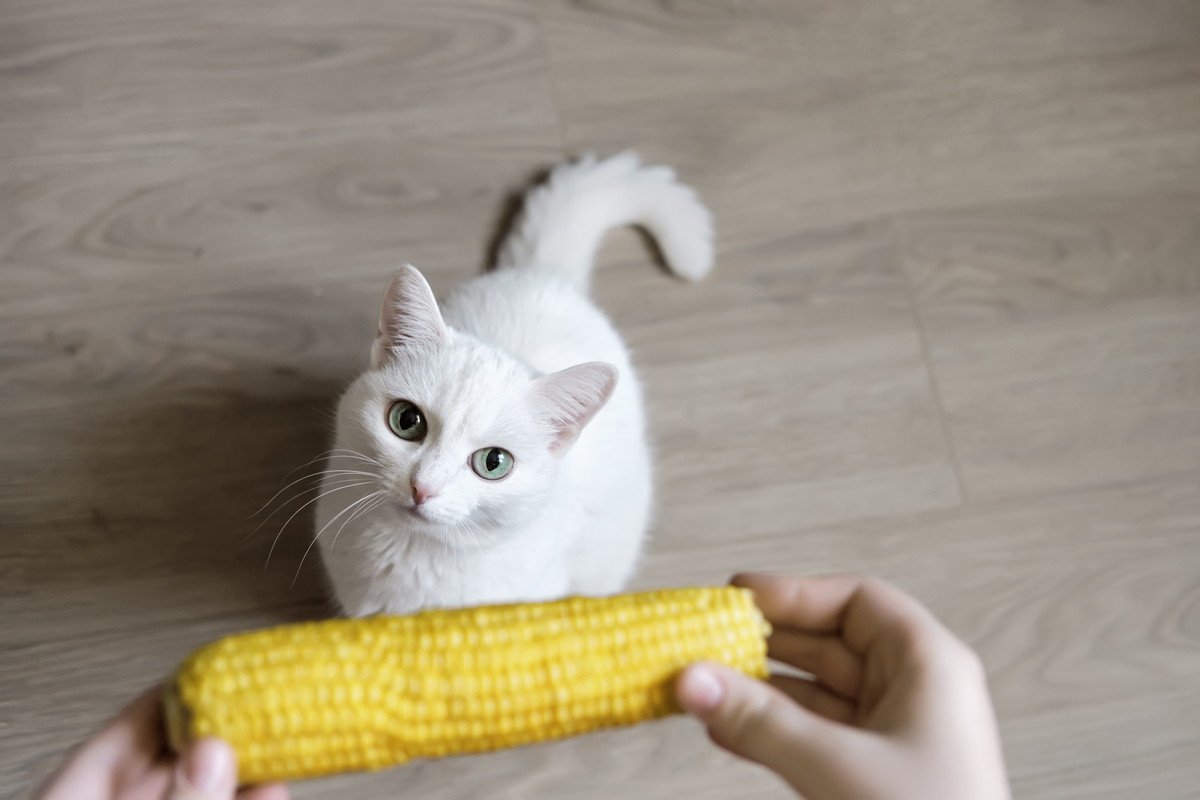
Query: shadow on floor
x=155, y=504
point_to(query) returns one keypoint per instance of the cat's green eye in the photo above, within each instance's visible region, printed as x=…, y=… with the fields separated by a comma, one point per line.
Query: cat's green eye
x=491, y=463
x=407, y=421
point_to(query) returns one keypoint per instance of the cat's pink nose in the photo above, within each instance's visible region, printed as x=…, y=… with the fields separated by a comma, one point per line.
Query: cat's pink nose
x=421, y=493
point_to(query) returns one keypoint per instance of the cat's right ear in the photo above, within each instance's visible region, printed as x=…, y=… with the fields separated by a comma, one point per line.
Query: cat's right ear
x=571, y=397
x=410, y=316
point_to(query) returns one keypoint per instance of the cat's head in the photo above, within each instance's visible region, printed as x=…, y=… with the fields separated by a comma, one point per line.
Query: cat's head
x=467, y=438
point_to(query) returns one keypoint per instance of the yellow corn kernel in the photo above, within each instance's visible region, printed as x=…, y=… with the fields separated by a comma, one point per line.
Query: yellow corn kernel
x=317, y=698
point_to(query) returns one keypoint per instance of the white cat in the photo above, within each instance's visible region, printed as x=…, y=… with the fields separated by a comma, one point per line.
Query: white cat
x=496, y=450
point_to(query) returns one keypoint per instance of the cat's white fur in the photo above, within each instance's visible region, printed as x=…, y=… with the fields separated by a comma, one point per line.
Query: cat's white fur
x=518, y=358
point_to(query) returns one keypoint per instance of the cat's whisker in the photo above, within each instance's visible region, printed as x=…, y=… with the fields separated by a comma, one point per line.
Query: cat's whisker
x=337, y=452
x=317, y=474
x=308, y=463
x=355, y=504
x=362, y=512
x=480, y=533
x=464, y=534
x=490, y=543
x=345, y=452
x=487, y=537
x=329, y=481
x=334, y=453
x=456, y=556
x=300, y=493
x=480, y=539
x=472, y=531
x=301, y=508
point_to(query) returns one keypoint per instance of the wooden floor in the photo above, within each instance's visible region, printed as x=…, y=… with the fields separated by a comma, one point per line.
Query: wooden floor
x=953, y=336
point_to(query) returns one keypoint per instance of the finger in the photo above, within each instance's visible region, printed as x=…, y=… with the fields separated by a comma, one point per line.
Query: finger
x=859, y=608
x=206, y=771
x=126, y=746
x=816, y=698
x=826, y=657
x=270, y=791
x=135, y=734
x=756, y=721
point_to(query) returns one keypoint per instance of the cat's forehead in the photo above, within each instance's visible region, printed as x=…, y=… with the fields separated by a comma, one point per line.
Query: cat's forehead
x=464, y=387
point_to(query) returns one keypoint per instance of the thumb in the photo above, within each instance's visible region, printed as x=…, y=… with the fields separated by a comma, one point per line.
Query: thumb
x=206, y=771
x=754, y=720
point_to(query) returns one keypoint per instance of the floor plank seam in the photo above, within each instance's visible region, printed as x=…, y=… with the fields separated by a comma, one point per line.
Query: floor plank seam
x=551, y=84
x=964, y=496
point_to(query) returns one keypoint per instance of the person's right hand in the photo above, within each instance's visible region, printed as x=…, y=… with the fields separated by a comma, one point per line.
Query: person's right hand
x=899, y=707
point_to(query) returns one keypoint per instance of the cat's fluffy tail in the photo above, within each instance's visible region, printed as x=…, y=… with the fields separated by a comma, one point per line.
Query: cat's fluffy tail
x=564, y=219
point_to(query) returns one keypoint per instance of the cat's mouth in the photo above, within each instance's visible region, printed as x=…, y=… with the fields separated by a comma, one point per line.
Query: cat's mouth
x=421, y=514
x=415, y=512
x=423, y=523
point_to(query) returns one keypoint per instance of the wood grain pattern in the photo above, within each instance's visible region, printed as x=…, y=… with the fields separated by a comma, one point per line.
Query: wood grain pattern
x=1063, y=336
x=953, y=337
x=833, y=113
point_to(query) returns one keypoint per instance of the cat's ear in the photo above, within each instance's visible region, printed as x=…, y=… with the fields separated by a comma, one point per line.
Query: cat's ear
x=571, y=397
x=410, y=316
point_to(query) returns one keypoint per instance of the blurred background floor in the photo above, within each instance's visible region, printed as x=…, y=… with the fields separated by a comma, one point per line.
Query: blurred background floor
x=953, y=336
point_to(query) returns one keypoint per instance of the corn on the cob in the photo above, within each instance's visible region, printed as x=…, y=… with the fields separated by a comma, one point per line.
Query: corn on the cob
x=340, y=695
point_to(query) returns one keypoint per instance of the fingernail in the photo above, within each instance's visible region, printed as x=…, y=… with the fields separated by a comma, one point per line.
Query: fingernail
x=700, y=689
x=207, y=765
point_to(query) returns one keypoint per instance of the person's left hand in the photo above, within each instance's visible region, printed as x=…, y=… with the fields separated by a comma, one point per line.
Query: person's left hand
x=129, y=760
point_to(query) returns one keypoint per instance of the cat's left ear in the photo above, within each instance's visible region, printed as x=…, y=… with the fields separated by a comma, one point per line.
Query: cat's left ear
x=410, y=316
x=571, y=397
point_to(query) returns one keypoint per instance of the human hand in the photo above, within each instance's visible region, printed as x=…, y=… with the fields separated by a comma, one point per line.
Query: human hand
x=899, y=707
x=129, y=760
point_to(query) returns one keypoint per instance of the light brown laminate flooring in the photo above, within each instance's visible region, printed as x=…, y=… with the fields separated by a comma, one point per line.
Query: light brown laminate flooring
x=953, y=335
